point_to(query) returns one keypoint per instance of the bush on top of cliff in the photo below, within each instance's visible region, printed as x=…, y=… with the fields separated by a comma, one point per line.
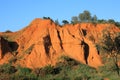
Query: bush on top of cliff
x=85, y=16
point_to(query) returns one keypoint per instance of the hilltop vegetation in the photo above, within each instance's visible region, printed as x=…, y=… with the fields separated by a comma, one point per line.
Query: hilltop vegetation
x=67, y=70
x=85, y=16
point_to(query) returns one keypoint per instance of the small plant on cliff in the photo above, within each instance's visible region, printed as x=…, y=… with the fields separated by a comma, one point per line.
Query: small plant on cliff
x=57, y=22
x=65, y=22
x=8, y=31
x=48, y=18
x=28, y=51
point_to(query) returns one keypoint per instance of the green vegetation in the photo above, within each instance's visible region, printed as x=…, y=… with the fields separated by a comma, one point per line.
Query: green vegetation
x=47, y=18
x=57, y=22
x=111, y=45
x=8, y=31
x=68, y=69
x=74, y=20
x=85, y=16
x=65, y=22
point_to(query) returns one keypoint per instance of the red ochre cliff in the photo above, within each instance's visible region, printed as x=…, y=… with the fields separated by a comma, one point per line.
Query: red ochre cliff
x=42, y=42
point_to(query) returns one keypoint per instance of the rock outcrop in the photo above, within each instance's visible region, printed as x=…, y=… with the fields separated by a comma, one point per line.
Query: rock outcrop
x=48, y=41
x=42, y=42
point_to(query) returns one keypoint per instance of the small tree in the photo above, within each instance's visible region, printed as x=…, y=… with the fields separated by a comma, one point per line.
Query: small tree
x=102, y=21
x=111, y=21
x=94, y=18
x=111, y=44
x=117, y=24
x=81, y=17
x=65, y=22
x=74, y=20
x=57, y=22
x=85, y=16
x=46, y=17
x=8, y=31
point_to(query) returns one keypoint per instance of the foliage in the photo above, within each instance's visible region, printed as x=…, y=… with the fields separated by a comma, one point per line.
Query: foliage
x=46, y=17
x=23, y=74
x=111, y=21
x=85, y=16
x=117, y=24
x=23, y=70
x=74, y=20
x=44, y=71
x=102, y=21
x=7, y=69
x=62, y=71
x=68, y=61
x=109, y=70
x=94, y=18
x=8, y=31
x=111, y=44
x=65, y=22
x=48, y=69
x=57, y=22
x=12, y=60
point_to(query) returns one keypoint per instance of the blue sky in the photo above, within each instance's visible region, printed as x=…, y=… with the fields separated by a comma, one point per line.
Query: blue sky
x=16, y=14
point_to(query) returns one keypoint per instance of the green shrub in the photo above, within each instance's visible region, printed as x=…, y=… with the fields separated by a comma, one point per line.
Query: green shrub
x=23, y=77
x=65, y=22
x=48, y=69
x=8, y=31
x=7, y=69
x=23, y=71
x=23, y=74
x=78, y=78
x=44, y=71
x=69, y=61
x=12, y=60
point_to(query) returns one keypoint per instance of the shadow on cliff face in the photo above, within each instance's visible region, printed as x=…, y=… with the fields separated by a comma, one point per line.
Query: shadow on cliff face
x=47, y=43
x=4, y=46
x=13, y=46
x=84, y=32
x=86, y=50
x=7, y=46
